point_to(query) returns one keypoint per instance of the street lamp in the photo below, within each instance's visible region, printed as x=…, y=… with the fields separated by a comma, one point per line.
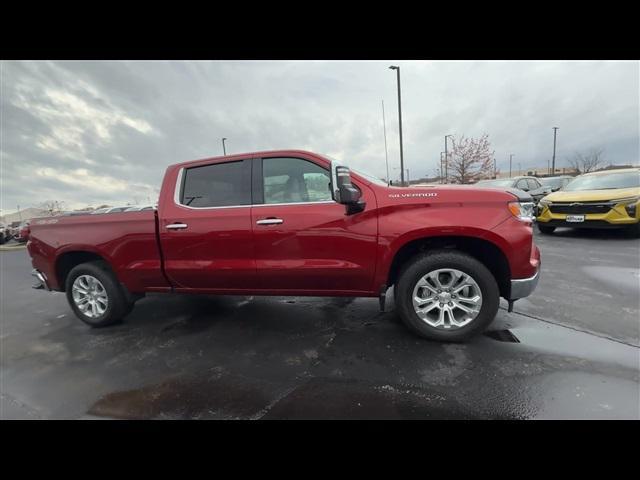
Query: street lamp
x=553, y=162
x=446, y=158
x=396, y=168
x=386, y=152
x=397, y=69
x=510, y=159
x=224, y=150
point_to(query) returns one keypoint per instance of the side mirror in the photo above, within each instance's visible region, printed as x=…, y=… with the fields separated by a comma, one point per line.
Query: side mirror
x=343, y=191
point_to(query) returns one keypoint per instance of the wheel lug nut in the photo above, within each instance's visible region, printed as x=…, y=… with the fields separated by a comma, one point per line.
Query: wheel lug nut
x=442, y=304
x=450, y=304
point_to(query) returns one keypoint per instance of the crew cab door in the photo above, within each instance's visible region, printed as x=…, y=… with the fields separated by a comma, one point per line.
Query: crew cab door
x=205, y=230
x=304, y=242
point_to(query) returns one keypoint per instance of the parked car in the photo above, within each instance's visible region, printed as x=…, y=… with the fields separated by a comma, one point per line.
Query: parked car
x=98, y=211
x=116, y=209
x=530, y=185
x=605, y=199
x=297, y=223
x=556, y=183
x=139, y=208
x=13, y=228
x=4, y=234
x=23, y=232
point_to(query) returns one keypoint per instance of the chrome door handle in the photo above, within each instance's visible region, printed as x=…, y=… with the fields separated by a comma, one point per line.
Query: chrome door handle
x=270, y=221
x=175, y=226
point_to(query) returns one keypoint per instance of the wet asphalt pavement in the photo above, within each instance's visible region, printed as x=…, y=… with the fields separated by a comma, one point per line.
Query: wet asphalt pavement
x=570, y=351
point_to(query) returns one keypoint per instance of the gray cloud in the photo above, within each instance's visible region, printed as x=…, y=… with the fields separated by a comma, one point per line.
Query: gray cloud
x=103, y=132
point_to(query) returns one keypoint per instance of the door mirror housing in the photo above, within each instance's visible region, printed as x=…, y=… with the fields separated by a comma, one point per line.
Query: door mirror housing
x=343, y=191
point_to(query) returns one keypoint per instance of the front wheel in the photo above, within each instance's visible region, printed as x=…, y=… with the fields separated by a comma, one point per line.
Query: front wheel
x=95, y=296
x=447, y=295
x=546, y=230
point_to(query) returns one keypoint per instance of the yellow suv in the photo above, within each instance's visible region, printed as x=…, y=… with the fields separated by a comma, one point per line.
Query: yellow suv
x=603, y=199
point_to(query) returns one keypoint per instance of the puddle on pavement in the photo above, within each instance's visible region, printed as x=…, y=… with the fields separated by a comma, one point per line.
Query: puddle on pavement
x=502, y=336
x=186, y=398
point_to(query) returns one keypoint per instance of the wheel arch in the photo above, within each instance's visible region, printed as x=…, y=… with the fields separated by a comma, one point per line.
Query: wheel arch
x=69, y=259
x=485, y=251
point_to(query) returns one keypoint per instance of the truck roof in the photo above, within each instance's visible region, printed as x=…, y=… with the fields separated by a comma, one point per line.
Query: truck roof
x=270, y=153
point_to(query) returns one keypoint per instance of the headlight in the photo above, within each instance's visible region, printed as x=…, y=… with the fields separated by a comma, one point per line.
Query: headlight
x=630, y=205
x=522, y=211
x=544, y=202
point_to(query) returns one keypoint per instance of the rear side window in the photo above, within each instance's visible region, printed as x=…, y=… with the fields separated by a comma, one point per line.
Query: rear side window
x=522, y=184
x=217, y=185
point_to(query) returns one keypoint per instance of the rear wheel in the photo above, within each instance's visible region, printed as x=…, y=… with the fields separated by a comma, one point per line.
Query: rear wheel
x=546, y=230
x=447, y=296
x=95, y=296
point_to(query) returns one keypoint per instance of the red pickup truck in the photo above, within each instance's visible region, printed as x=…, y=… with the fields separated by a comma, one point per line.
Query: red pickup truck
x=292, y=222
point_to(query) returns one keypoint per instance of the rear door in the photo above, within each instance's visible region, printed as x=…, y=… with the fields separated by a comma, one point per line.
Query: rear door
x=206, y=230
x=304, y=242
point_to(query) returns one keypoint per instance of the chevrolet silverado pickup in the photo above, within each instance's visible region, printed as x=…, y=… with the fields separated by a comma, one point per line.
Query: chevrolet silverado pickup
x=297, y=223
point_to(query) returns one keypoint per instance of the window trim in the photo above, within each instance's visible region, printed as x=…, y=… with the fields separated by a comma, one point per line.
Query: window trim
x=260, y=181
x=257, y=193
x=180, y=180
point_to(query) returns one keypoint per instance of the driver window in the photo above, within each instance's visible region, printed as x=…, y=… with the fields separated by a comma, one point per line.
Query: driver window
x=293, y=180
x=522, y=184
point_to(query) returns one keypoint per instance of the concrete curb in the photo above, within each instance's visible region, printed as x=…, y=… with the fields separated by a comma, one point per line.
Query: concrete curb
x=5, y=248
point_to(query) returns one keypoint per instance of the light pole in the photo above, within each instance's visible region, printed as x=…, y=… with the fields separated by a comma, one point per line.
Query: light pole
x=446, y=159
x=441, y=167
x=396, y=168
x=386, y=153
x=224, y=150
x=510, y=159
x=494, y=168
x=397, y=69
x=553, y=162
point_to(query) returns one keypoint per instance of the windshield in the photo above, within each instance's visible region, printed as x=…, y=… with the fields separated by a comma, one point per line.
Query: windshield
x=552, y=182
x=496, y=183
x=367, y=176
x=606, y=181
x=370, y=177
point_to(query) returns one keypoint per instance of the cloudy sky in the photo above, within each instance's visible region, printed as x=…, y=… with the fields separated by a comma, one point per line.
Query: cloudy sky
x=88, y=133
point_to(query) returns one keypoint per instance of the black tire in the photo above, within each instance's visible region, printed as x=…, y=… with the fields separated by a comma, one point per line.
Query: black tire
x=545, y=229
x=421, y=265
x=117, y=306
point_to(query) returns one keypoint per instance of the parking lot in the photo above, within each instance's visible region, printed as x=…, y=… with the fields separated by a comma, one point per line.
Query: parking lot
x=571, y=350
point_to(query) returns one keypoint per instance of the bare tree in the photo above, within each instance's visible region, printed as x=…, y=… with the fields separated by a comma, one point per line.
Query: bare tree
x=53, y=207
x=587, y=162
x=471, y=159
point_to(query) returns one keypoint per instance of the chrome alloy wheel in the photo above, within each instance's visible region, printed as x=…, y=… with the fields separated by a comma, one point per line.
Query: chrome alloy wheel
x=90, y=296
x=447, y=299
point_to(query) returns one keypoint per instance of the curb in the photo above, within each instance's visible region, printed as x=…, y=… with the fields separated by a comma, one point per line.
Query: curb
x=4, y=248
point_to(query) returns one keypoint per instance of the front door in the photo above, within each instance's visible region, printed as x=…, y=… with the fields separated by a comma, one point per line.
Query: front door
x=303, y=240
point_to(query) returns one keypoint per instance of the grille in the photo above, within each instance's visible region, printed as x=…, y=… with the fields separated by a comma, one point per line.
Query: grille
x=580, y=208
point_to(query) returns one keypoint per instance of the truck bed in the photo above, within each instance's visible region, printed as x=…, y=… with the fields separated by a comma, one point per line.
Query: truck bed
x=126, y=240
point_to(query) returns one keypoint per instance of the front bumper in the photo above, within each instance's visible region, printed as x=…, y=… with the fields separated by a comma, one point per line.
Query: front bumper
x=616, y=216
x=524, y=287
